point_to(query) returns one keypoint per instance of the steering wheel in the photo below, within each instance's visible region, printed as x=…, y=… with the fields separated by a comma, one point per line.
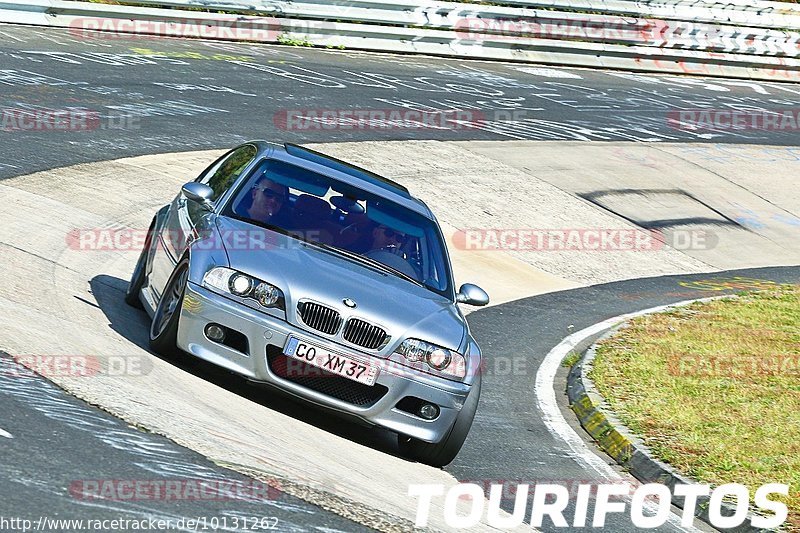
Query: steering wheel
x=341, y=231
x=393, y=260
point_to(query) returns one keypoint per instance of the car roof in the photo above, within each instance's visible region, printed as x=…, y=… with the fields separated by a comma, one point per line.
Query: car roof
x=345, y=172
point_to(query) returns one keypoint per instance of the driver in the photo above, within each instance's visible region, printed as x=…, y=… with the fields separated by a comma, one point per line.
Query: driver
x=387, y=247
x=384, y=238
x=268, y=198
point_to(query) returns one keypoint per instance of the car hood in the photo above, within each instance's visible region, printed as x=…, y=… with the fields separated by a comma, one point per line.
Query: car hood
x=304, y=271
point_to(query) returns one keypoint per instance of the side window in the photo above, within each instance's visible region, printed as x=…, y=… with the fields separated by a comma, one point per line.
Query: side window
x=224, y=172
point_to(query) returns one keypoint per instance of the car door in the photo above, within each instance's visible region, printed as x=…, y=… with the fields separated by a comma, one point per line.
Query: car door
x=186, y=220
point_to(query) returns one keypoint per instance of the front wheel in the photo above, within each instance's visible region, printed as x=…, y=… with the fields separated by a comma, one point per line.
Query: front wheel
x=442, y=453
x=164, y=329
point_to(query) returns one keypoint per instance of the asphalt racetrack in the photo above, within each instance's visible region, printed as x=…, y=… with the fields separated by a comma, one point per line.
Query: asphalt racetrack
x=161, y=95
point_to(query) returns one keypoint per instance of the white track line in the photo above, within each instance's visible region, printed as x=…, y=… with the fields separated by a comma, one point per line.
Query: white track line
x=551, y=414
x=6, y=434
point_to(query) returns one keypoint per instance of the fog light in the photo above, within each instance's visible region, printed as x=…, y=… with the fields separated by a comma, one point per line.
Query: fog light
x=215, y=333
x=428, y=411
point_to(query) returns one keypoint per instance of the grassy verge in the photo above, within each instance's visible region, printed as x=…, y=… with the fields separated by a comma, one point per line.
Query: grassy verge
x=714, y=388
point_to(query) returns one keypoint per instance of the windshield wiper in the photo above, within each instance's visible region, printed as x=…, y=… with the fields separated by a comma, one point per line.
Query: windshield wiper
x=368, y=260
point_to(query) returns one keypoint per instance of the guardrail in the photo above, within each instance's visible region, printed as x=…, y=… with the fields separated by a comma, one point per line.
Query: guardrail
x=756, y=40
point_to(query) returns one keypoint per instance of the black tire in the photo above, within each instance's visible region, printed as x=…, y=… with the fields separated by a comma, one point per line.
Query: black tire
x=164, y=328
x=442, y=453
x=138, y=277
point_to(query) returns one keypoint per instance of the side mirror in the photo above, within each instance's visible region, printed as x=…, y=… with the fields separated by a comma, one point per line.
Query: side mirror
x=200, y=193
x=472, y=295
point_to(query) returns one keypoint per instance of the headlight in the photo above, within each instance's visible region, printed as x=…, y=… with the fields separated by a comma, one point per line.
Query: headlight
x=240, y=285
x=439, y=359
x=268, y=295
x=232, y=282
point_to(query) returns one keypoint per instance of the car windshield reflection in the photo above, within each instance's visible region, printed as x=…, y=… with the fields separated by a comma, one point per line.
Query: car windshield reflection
x=322, y=210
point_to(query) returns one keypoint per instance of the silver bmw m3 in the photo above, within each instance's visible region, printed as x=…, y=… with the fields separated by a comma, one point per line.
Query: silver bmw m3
x=303, y=272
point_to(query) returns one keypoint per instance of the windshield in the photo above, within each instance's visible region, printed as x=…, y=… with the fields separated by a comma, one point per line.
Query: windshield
x=322, y=210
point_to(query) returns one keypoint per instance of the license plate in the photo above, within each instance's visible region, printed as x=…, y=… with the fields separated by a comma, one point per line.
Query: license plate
x=332, y=362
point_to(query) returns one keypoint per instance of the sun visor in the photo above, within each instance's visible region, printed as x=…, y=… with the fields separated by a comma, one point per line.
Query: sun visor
x=294, y=177
x=392, y=216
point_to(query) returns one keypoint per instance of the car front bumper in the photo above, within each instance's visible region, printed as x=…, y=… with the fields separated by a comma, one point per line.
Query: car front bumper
x=267, y=334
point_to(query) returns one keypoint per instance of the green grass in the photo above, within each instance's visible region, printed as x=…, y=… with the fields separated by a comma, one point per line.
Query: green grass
x=570, y=359
x=294, y=41
x=714, y=388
